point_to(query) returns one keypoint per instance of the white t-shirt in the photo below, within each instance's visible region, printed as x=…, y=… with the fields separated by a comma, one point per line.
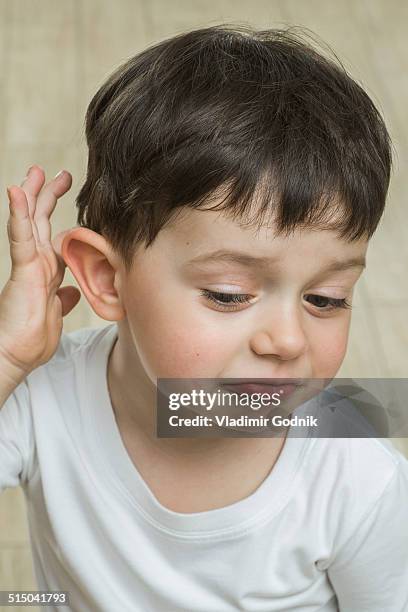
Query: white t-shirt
x=326, y=530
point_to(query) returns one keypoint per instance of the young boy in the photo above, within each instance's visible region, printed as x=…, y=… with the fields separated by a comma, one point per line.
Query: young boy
x=234, y=180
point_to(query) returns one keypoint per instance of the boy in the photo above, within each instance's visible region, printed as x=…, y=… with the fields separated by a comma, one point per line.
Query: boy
x=234, y=180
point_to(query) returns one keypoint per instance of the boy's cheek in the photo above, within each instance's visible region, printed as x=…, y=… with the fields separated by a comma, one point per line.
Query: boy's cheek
x=178, y=354
x=173, y=343
x=329, y=352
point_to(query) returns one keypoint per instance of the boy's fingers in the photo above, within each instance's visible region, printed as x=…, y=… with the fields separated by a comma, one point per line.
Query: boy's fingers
x=19, y=195
x=23, y=247
x=69, y=297
x=53, y=190
x=46, y=202
x=31, y=185
x=43, y=198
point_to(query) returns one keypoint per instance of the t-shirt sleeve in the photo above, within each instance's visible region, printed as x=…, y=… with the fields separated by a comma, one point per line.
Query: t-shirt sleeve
x=370, y=571
x=16, y=438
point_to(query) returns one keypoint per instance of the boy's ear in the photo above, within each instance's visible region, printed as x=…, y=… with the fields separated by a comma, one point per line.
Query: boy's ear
x=97, y=270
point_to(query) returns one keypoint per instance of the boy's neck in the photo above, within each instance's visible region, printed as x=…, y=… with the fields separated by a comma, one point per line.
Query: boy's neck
x=184, y=474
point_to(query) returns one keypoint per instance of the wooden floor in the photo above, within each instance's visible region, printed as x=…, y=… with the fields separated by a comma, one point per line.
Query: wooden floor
x=54, y=55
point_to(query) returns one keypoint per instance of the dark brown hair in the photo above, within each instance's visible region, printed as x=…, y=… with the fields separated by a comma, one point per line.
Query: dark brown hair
x=229, y=110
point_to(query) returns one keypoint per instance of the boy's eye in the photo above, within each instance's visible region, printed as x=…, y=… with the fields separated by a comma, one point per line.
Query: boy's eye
x=327, y=303
x=228, y=300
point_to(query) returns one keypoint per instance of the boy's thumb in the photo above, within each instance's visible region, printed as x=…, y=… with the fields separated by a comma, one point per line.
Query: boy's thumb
x=69, y=297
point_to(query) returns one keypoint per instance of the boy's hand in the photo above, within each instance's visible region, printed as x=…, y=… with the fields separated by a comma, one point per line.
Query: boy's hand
x=31, y=303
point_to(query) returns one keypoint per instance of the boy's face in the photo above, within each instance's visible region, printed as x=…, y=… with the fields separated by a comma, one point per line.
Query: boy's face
x=287, y=327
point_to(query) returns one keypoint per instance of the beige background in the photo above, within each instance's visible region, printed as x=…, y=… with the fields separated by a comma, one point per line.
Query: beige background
x=53, y=57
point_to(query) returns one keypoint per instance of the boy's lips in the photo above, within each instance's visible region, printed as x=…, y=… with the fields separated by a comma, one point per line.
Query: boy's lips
x=284, y=387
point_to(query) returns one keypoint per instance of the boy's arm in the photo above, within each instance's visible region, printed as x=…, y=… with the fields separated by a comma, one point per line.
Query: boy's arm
x=370, y=572
x=10, y=378
x=16, y=438
x=32, y=307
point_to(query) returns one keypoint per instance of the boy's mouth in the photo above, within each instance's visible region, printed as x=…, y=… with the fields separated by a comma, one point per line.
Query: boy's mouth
x=283, y=387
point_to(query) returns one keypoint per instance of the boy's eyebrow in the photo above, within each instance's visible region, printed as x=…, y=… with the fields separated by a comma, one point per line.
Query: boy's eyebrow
x=244, y=259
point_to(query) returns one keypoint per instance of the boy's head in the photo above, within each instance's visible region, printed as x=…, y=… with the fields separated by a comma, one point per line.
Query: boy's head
x=229, y=139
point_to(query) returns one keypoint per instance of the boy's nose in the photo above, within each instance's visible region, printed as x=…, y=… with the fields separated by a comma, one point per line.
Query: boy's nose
x=281, y=335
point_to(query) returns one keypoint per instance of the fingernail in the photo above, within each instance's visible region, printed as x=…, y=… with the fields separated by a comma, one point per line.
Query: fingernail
x=59, y=174
x=26, y=176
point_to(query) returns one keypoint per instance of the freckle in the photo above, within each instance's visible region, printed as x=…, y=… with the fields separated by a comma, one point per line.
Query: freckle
x=197, y=354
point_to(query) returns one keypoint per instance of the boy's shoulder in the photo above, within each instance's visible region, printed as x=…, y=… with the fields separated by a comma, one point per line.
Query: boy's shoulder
x=373, y=456
x=352, y=480
x=354, y=444
x=362, y=469
x=366, y=458
x=79, y=340
x=81, y=350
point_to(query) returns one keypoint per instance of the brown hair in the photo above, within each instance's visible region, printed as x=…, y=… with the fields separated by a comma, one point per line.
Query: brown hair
x=233, y=111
